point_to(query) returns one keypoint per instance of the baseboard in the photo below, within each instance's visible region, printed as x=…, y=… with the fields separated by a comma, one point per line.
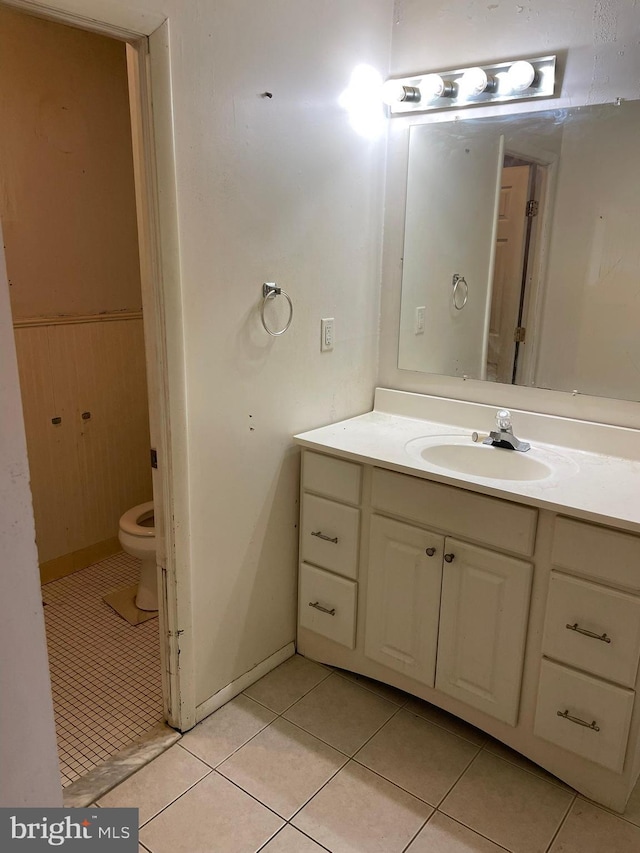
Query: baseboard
x=223, y=696
x=67, y=564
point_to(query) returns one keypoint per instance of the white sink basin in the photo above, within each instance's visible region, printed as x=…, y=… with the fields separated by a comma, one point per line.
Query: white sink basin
x=458, y=453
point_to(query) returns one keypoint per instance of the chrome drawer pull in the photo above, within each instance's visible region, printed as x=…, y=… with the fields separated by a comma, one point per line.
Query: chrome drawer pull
x=586, y=633
x=578, y=721
x=318, y=606
x=326, y=538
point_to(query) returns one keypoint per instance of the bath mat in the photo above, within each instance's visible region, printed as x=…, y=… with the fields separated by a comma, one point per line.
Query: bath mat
x=123, y=602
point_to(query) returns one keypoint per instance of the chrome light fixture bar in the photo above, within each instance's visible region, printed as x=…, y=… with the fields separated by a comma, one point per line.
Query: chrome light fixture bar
x=516, y=80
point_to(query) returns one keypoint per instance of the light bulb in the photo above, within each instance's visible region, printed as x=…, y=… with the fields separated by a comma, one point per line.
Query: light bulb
x=394, y=92
x=433, y=87
x=521, y=76
x=475, y=81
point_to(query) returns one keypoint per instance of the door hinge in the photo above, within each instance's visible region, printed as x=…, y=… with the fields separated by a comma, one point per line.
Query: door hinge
x=154, y=457
x=520, y=334
x=532, y=207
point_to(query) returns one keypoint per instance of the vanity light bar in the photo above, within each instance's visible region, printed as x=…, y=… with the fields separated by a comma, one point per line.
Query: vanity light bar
x=516, y=80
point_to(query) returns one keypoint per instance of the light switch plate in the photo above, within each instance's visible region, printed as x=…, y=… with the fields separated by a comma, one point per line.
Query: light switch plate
x=326, y=334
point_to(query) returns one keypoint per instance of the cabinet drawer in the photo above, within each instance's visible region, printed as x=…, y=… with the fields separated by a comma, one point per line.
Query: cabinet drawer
x=327, y=605
x=563, y=692
x=504, y=525
x=597, y=552
x=575, y=607
x=330, y=535
x=334, y=478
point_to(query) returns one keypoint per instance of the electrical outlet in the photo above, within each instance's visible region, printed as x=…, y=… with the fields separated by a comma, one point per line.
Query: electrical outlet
x=419, y=320
x=326, y=334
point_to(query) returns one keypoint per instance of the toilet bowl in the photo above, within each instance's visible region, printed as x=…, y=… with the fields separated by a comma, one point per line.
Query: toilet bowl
x=137, y=536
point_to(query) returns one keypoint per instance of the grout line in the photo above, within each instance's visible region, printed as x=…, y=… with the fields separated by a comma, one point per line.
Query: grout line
x=237, y=749
x=561, y=823
x=444, y=728
x=296, y=829
x=475, y=831
x=175, y=800
x=442, y=799
x=343, y=674
x=280, y=713
x=253, y=797
x=585, y=799
x=413, y=838
x=337, y=749
x=552, y=781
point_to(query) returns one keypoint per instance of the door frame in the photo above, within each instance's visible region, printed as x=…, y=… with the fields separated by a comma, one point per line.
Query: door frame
x=149, y=72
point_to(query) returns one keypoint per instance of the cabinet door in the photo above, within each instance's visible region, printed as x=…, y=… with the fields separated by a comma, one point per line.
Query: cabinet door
x=403, y=598
x=483, y=625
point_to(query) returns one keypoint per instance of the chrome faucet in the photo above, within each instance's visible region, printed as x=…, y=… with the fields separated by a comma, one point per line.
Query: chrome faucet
x=503, y=436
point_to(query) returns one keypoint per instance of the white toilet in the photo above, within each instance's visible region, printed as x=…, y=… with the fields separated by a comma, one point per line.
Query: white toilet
x=137, y=536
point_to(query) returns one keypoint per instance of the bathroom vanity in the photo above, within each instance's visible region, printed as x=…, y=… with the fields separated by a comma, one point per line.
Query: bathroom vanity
x=503, y=587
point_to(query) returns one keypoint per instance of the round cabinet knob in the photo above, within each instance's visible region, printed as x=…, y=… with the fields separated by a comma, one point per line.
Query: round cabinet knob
x=449, y=558
x=431, y=552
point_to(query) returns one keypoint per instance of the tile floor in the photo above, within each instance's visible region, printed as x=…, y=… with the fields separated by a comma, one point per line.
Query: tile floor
x=309, y=759
x=105, y=673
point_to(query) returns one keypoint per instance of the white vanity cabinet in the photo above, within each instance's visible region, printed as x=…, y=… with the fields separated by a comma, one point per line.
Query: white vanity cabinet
x=522, y=621
x=404, y=578
x=448, y=613
x=427, y=592
x=329, y=544
x=591, y=642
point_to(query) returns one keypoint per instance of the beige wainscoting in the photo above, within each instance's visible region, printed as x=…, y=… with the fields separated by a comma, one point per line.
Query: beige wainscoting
x=85, y=471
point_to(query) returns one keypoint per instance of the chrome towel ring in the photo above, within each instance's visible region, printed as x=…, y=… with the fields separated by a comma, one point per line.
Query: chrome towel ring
x=459, y=282
x=269, y=291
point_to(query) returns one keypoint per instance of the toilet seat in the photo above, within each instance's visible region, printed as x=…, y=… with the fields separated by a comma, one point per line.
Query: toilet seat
x=130, y=521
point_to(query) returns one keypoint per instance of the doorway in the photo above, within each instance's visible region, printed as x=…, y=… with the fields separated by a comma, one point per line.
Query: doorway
x=515, y=281
x=175, y=705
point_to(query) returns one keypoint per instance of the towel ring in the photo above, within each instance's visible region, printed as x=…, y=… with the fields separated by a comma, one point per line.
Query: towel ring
x=457, y=281
x=269, y=291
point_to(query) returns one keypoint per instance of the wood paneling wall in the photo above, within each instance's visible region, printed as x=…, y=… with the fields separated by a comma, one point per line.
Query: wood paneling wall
x=85, y=472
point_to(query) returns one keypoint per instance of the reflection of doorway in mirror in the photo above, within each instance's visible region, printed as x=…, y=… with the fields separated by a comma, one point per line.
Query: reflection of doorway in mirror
x=517, y=207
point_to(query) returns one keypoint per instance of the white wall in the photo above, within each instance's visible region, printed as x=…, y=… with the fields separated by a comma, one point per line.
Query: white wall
x=280, y=189
x=66, y=170
x=28, y=758
x=596, y=43
x=269, y=189
x=592, y=301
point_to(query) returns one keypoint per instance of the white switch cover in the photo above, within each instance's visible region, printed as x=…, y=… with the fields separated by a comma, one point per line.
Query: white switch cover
x=419, y=324
x=326, y=332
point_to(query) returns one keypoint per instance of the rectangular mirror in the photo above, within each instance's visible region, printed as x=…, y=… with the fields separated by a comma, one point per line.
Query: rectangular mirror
x=522, y=250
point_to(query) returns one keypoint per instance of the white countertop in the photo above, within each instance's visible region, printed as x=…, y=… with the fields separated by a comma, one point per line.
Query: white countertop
x=588, y=483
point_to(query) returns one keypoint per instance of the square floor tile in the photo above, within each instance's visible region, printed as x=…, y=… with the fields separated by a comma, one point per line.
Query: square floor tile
x=445, y=720
x=420, y=757
x=213, y=817
x=227, y=729
x=341, y=713
x=359, y=812
x=443, y=835
x=157, y=784
x=291, y=840
x=514, y=808
x=287, y=683
x=283, y=766
x=589, y=829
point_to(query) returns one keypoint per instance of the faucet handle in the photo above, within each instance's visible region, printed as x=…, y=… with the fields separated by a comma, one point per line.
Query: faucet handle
x=503, y=419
